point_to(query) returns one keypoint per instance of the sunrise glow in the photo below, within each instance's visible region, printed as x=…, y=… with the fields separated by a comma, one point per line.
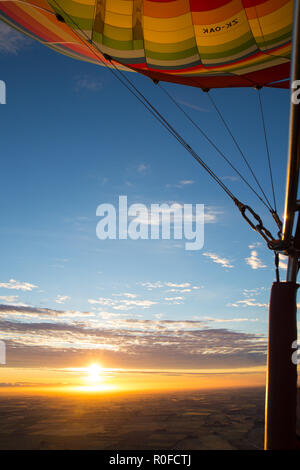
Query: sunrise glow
x=94, y=373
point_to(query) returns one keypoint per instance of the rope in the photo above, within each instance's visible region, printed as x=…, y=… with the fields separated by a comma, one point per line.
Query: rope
x=158, y=116
x=155, y=113
x=212, y=143
x=239, y=149
x=267, y=148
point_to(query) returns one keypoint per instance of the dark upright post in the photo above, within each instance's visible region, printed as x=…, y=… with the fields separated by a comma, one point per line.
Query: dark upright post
x=281, y=390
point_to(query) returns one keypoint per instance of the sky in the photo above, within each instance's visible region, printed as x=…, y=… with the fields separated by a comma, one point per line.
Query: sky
x=73, y=138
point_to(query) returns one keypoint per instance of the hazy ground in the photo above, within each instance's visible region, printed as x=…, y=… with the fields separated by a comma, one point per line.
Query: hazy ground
x=231, y=419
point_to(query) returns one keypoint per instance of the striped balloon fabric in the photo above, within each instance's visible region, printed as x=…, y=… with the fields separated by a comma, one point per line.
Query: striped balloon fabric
x=203, y=43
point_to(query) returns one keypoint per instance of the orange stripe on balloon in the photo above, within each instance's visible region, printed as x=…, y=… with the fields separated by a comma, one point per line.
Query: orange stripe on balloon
x=166, y=9
x=218, y=15
x=265, y=8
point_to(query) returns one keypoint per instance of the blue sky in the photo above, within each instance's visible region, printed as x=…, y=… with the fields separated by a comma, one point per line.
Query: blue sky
x=72, y=138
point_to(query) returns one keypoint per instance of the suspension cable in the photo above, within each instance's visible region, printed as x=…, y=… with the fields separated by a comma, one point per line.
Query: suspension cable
x=267, y=147
x=151, y=108
x=205, y=135
x=239, y=149
x=158, y=116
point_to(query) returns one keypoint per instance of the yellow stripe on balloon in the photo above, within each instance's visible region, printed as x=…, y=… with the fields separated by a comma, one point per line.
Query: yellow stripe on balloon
x=46, y=20
x=209, y=35
x=115, y=19
x=123, y=7
x=168, y=24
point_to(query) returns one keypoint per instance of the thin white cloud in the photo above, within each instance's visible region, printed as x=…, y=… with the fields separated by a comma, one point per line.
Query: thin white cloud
x=9, y=298
x=174, y=298
x=282, y=262
x=61, y=299
x=252, y=292
x=152, y=285
x=229, y=320
x=194, y=106
x=142, y=168
x=179, y=290
x=158, y=316
x=101, y=301
x=255, y=245
x=177, y=213
x=122, y=304
x=26, y=311
x=17, y=285
x=172, y=284
x=230, y=178
x=11, y=41
x=87, y=83
x=250, y=298
x=224, y=262
x=126, y=294
x=254, y=261
x=186, y=182
x=181, y=184
x=211, y=215
x=248, y=303
x=179, y=287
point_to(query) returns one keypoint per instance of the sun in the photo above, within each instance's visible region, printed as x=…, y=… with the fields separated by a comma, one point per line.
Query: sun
x=94, y=373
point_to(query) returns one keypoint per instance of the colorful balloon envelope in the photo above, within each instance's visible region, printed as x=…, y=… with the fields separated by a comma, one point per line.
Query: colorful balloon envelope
x=202, y=43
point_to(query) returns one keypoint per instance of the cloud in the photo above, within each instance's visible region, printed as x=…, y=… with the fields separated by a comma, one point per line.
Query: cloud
x=282, y=261
x=255, y=291
x=250, y=299
x=182, y=287
x=17, y=285
x=224, y=262
x=142, y=168
x=182, y=291
x=176, y=212
x=11, y=41
x=61, y=299
x=30, y=384
x=9, y=298
x=87, y=83
x=229, y=320
x=254, y=260
x=186, y=182
x=126, y=294
x=122, y=304
x=153, y=285
x=248, y=303
x=132, y=342
x=12, y=299
x=172, y=284
x=27, y=311
x=194, y=106
x=255, y=245
x=174, y=298
x=211, y=215
x=181, y=184
x=230, y=178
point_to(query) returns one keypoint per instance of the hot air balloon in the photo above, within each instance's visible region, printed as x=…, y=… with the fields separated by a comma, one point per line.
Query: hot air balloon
x=206, y=44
